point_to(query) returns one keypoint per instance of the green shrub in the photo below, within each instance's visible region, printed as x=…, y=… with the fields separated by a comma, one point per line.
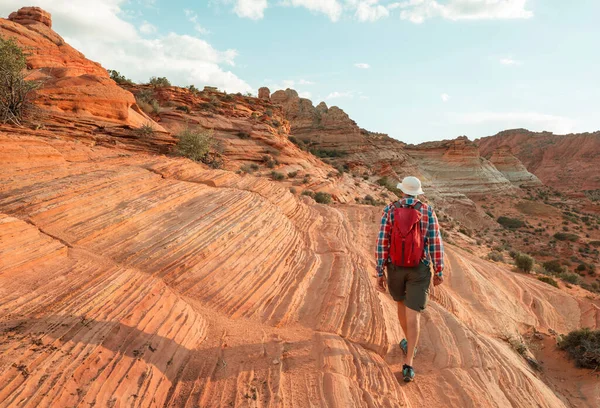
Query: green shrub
x=570, y=277
x=195, y=144
x=323, y=198
x=193, y=89
x=322, y=153
x=595, y=244
x=292, y=174
x=277, y=176
x=553, y=266
x=183, y=108
x=146, y=130
x=269, y=161
x=510, y=223
x=496, y=256
x=118, y=78
x=583, y=346
x=309, y=193
x=243, y=135
x=524, y=262
x=159, y=82
x=548, y=280
x=16, y=94
x=581, y=268
x=293, y=190
x=563, y=236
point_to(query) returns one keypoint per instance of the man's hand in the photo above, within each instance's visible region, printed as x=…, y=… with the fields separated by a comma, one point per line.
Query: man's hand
x=437, y=280
x=381, y=284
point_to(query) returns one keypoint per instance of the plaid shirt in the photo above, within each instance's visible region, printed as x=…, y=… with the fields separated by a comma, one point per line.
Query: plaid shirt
x=434, y=248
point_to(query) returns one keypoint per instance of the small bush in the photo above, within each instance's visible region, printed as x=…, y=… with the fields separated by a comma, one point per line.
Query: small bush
x=323, y=198
x=243, y=135
x=16, y=94
x=496, y=256
x=292, y=174
x=193, y=89
x=146, y=130
x=293, y=190
x=548, y=280
x=183, y=108
x=583, y=346
x=321, y=153
x=563, y=236
x=510, y=223
x=249, y=168
x=159, y=82
x=570, y=277
x=553, y=266
x=195, y=144
x=309, y=193
x=277, y=176
x=524, y=262
x=269, y=161
x=118, y=78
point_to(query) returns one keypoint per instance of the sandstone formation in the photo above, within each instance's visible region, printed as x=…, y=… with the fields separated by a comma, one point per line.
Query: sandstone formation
x=133, y=279
x=71, y=84
x=512, y=168
x=565, y=162
x=456, y=167
x=31, y=15
x=264, y=93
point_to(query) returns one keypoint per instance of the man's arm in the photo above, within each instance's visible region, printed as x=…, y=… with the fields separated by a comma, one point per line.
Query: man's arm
x=383, y=241
x=436, y=246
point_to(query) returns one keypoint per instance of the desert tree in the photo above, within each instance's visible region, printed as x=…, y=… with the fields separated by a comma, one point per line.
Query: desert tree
x=16, y=93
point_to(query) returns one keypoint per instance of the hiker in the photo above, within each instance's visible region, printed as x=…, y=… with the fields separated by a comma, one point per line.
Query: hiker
x=409, y=241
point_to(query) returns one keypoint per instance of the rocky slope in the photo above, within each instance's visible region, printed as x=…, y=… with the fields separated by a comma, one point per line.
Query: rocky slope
x=129, y=277
x=566, y=162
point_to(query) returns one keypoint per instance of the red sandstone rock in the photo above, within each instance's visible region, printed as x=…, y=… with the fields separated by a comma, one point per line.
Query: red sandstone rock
x=31, y=15
x=264, y=93
x=565, y=162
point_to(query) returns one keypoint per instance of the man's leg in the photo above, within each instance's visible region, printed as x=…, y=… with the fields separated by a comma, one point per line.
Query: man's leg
x=413, y=329
x=402, y=316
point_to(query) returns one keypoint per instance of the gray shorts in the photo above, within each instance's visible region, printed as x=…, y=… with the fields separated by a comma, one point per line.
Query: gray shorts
x=410, y=285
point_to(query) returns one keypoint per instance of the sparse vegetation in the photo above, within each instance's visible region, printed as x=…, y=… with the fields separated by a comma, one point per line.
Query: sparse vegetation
x=524, y=262
x=16, y=94
x=243, y=135
x=510, y=223
x=293, y=190
x=277, y=176
x=146, y=130
x=322, y=153
x=496, y=256
x=583, y=346
x=553, y=266
x=570, y=277
x=183, y=108
x=158, y=82
x=195, y=144
x=309, y=193
x=292, y=174
x=323, y=198
x=548, y=280
x=118, y=78
x=564, y=236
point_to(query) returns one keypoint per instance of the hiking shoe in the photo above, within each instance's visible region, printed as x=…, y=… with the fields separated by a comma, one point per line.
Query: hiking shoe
x=404, y=347
x=408, y=373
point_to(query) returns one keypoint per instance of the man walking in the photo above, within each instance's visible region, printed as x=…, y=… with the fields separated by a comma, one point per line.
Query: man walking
x=409, y=241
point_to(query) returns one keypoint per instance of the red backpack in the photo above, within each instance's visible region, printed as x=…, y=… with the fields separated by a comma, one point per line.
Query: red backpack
x=407, y=244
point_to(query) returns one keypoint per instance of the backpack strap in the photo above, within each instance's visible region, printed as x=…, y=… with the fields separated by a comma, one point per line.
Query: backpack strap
x=418, y=206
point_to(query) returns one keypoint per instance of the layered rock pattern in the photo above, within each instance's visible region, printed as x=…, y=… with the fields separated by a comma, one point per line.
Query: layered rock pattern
x=132, y=279
x=566, y=162
x=71, y=84
x=455, y=167
x=512, y=168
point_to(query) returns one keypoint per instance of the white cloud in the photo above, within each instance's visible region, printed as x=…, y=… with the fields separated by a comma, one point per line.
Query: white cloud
x=332, y=8
x=306, y=95
x=147, y=28
x=365, y=98
x=369, y=10
x=418, y=11
x=305, y=82
x=253, y=9
x=509, y=61
x=510, y=120
x=95, y=27
x=362, y=65
x=193, y=18
x=336, y=95
x=445, y=97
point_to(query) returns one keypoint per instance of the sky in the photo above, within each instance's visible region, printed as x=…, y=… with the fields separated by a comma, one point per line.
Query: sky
x=417, y=70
